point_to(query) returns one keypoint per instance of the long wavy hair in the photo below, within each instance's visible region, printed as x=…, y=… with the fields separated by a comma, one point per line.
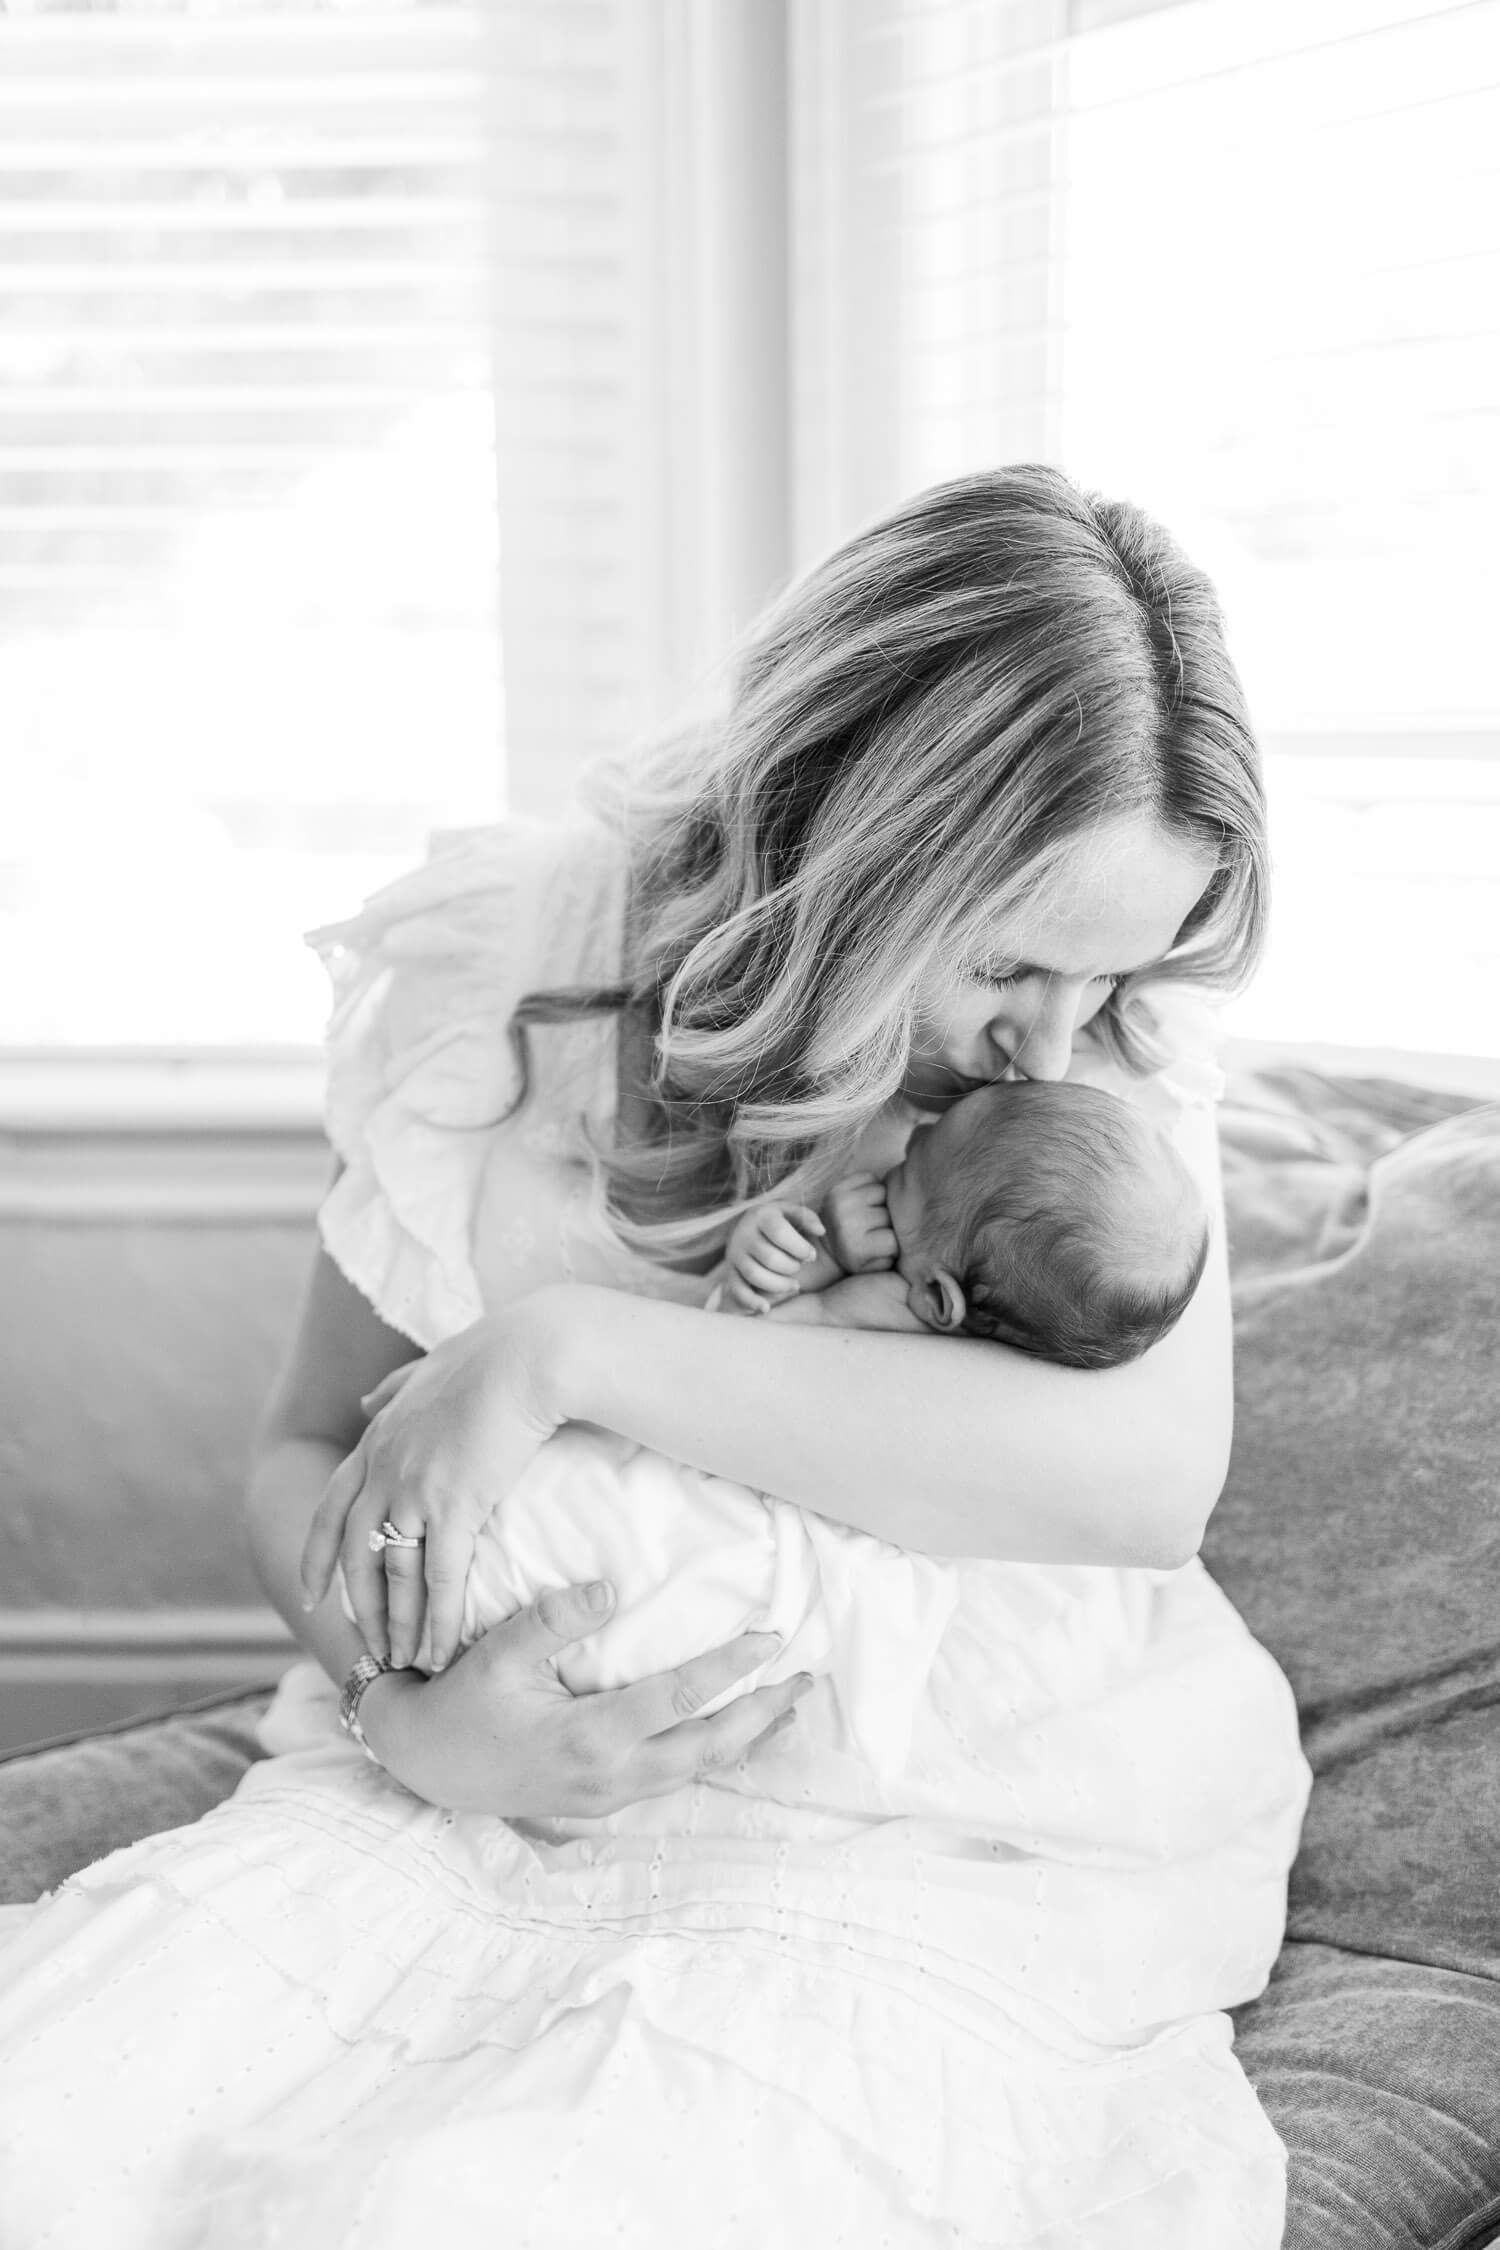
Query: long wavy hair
x=914, y=737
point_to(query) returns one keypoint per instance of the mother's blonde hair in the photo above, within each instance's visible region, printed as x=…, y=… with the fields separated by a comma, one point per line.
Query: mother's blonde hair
x=916, y=733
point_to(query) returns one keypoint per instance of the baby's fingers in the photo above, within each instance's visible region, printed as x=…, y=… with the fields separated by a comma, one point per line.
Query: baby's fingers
x=787, y=1231
x=765, y=1281
x=774, y=1257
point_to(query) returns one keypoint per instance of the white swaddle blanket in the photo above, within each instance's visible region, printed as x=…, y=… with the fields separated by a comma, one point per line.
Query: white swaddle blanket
x=695, y=1560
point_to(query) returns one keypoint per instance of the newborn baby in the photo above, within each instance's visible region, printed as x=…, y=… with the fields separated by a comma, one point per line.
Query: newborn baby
x=1048, y=1217
x=1053, y=1218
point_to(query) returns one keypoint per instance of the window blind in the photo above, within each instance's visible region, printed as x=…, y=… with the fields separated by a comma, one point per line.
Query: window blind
x=248, y=614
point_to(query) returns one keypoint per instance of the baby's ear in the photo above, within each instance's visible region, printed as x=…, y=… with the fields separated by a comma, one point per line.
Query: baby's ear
x=938, y=1302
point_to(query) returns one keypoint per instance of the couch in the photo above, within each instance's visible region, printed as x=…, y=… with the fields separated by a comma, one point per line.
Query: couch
x=1359, y=1534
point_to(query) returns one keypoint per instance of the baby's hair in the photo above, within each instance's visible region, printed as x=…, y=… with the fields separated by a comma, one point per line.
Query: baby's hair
x=1048, y=1219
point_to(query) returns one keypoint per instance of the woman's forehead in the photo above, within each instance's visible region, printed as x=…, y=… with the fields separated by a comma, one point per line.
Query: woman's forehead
x=1109, y=906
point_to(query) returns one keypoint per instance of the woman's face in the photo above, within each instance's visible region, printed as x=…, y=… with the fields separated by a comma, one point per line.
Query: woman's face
x=1014, y=1007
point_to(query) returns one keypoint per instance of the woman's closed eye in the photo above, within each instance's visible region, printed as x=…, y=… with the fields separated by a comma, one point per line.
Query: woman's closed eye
x=1001, y=980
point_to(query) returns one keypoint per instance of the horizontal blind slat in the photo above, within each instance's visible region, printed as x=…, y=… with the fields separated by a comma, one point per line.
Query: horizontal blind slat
x=142, y=276
x=284, y=215
x=400, y=86
x=215, y=335
x=354, y=32
x=331, y=398
x=245, y=151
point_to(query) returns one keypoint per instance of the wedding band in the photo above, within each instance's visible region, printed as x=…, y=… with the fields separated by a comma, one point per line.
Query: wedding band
x=389, y=1536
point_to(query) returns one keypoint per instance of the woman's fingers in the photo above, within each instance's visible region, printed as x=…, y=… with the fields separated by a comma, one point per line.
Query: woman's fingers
x=556, y=1619
x=405, y=1601
x=449, y=1553
x=651, y=1706
x=327, y=1529
x=365, y=1573
x=697, y=1746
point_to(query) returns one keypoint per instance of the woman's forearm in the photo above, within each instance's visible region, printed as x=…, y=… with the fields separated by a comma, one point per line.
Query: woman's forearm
x=285, y=1485
x=945, y=1444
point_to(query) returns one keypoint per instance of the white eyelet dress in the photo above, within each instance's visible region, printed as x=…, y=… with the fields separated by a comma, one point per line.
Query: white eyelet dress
x=974, y=1998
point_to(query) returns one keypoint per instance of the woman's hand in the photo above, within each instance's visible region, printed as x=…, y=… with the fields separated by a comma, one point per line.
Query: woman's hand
x=499, y=1733
x=448, y=1437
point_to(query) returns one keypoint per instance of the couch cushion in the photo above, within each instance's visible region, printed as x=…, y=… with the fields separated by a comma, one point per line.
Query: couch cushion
x=1360, y=1538
x=67, y=1805
x=1383, y=2079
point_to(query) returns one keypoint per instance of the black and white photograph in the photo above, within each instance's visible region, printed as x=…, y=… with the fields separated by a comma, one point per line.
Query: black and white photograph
x=674, y=672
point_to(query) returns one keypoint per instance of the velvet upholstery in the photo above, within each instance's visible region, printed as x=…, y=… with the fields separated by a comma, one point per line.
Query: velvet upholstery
x=1359, y=1536
x=66, y=1805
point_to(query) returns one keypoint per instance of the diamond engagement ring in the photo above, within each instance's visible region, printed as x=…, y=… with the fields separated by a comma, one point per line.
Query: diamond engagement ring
x=389, y=1536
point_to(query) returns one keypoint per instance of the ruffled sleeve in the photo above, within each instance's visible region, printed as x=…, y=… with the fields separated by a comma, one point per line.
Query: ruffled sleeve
x=421, y=1064
x=1185, y=1025
x=1189, y=1030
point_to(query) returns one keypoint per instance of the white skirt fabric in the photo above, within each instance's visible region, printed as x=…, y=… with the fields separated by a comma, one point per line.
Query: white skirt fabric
x=976, y=1998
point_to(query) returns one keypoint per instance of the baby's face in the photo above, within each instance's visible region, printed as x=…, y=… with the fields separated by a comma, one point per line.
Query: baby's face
x=930, y=1152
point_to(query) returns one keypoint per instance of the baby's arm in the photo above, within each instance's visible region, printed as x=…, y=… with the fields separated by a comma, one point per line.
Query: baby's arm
x=859, y=1300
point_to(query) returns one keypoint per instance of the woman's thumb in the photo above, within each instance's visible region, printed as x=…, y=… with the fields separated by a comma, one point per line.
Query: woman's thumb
x=555, y=1619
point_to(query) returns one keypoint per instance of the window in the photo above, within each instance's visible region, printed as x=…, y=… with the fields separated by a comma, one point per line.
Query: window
x=1232, y=257
x=248, y=616
x=1280, y=256
x=1237, y=260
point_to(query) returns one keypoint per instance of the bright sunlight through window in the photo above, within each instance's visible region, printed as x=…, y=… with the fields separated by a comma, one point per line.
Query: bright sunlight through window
x=1280, y=259
x=248, y=614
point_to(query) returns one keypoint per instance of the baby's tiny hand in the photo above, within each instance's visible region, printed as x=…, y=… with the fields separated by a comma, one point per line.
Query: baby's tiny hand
x=859, y=1225
x=767, y=1250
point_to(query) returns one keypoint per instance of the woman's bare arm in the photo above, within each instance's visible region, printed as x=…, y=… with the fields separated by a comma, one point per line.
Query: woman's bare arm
x=951, y=1445
x=497, y=1732
x=937, y=1443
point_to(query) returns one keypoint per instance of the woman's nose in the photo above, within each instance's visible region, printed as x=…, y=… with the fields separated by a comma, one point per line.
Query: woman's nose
x=1039, y=1039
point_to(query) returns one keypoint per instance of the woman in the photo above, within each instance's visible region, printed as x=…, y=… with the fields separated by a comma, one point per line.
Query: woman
x=985, y=774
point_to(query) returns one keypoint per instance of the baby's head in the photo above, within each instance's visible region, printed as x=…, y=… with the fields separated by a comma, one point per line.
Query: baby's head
x=1051, y=1217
